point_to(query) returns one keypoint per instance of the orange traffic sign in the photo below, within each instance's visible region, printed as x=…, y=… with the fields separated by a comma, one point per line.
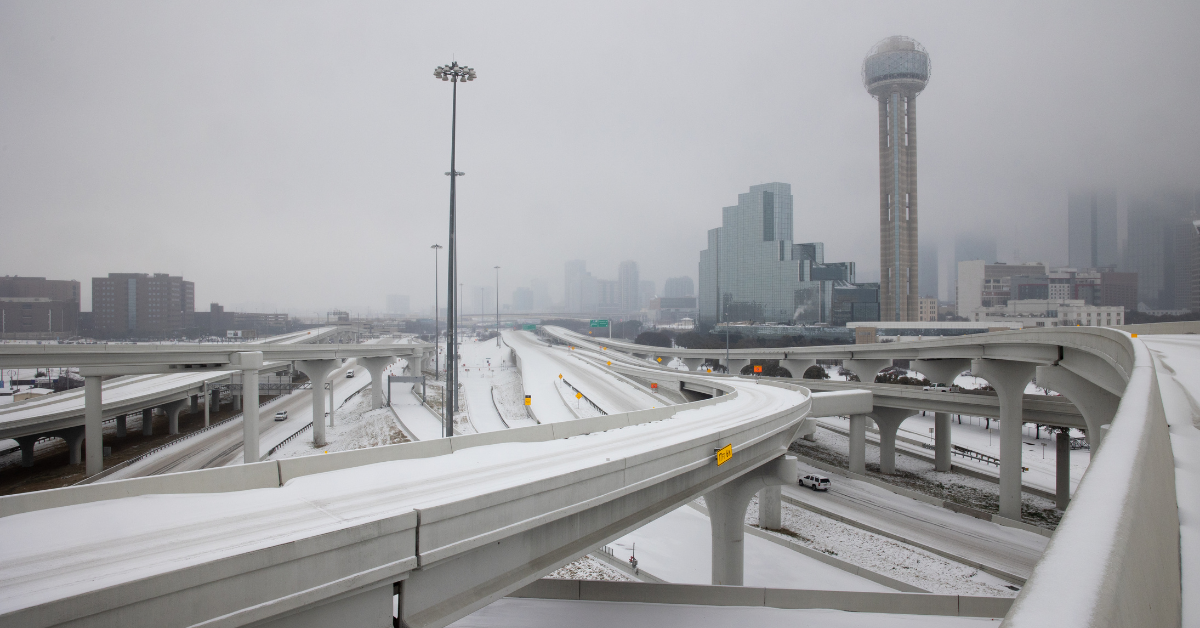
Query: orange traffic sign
x=579, y=395
x=528, y=400
x=757, y=368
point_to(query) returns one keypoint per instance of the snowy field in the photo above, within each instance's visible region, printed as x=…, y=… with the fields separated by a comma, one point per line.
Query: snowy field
x=677, y=547
x=589, y=568
x=355, y=426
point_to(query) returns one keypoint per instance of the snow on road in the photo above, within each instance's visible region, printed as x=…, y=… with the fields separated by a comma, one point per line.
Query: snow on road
x=541, y=366
x=485, y=366
x=536, y=613
x=1177, y=361
x=677, y=547
x=1008, y=549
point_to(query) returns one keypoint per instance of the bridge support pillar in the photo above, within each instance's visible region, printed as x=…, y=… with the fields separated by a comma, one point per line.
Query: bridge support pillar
x=27, y=443
x=734, y=365
x=941, y=440
x=942, y=371
x=1009, y=379
x=414, y=365
x=375, y=367
x=318, y=373
x=121, y=426
x=1062, y=467
x=797, y=367
x=693, y=364
x=237, y=399
x=727, y=516
x=193, y=403
x=770, y=508
x=858, y=443
x=148, y=422
x=888, y=421
x=93, y=424
x=74, y=437
x=173, y=411
x=249, y=362
x=866, y=370
x=1097, y=405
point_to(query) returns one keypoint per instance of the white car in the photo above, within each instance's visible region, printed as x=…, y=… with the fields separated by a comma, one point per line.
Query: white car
x=937, y=388
x=349, y=374
x=815, y=482
x=281, y=415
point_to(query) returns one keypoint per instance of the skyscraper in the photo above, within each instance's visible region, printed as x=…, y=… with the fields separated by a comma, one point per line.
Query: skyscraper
x=1159, y=232
x=137, y=304
x=1092, y=229
x=894, y=72
x=679, y=287
x=752, y=271
x=627, y=286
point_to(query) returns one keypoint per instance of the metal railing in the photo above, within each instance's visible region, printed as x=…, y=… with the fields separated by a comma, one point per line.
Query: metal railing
x=584, y=397
x=288, y=440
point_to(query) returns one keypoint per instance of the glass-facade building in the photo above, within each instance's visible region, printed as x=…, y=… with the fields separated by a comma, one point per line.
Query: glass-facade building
x=753, y=272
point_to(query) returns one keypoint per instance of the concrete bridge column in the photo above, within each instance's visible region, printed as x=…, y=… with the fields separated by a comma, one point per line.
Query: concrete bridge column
x=237, y=399
x=888, y=421
x=858, y=443
x=1062, y=467
x=866, y=370
x=414, y=364
x=27, y=443
x=74, y=437
x=375, y=367
x=941, y=441
x=942, y=371
x=249, y=362
x=121, y=427
x=693, y=363
x=93, y=424
x=148, y=422
x=1097, y=405
x=727, y=516
x=1009, y=379
x=770, y=508
x=734, y=365
x=216, y=401
x=193, y=403
x=318, y=373
x=173, y=411
x=797, y=367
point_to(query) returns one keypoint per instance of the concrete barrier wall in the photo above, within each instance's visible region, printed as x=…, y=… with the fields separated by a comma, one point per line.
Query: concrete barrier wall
x=278, y=472
x=219, y=480
x=708, y=595
x=1114, y=560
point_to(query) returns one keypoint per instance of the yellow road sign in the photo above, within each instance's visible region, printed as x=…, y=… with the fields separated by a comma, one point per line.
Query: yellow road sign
x=579, y=395
x=528, y=400
x=724, y=454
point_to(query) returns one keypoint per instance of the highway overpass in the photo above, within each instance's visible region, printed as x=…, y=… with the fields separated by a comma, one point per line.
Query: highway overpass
x=453, y=524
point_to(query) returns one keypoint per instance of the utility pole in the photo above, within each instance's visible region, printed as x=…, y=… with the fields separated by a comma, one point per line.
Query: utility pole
x=455, y=74
x=436, y=331
x=497, y=306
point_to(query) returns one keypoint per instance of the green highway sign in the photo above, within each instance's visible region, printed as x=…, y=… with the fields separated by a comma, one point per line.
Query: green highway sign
x=598, y=323
x=529, y=327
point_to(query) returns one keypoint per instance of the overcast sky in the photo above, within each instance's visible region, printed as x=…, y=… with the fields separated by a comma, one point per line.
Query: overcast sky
x=290, y=155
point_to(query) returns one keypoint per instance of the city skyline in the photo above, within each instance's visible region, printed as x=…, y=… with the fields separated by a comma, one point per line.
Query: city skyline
x=133, y=164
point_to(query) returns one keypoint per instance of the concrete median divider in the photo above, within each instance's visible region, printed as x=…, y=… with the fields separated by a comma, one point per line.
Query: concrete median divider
x=709, y=595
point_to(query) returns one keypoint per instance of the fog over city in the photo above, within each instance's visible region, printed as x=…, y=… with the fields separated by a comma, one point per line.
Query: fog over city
x=291, y=156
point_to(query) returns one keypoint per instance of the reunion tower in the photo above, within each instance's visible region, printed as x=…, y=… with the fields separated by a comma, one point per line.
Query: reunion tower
x=894, y=72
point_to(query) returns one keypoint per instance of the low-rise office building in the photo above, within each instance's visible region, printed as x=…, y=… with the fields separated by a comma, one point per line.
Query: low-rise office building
x=36, y=308
x=140, y=305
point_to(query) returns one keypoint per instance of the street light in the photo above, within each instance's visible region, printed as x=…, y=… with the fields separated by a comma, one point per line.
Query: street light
x=436, y=331
x=497, y=306
x=454, y=73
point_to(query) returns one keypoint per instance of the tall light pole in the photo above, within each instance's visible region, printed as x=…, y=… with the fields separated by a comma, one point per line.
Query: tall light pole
x=436, y=330
x=497, y=306
x=454, y=73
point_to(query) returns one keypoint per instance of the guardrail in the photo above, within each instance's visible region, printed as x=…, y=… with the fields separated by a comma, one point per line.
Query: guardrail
x=584, y=397
x=288, y=440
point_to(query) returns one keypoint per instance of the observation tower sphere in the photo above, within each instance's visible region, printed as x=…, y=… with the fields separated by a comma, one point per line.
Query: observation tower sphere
x=894, y=72
x=896, y=62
